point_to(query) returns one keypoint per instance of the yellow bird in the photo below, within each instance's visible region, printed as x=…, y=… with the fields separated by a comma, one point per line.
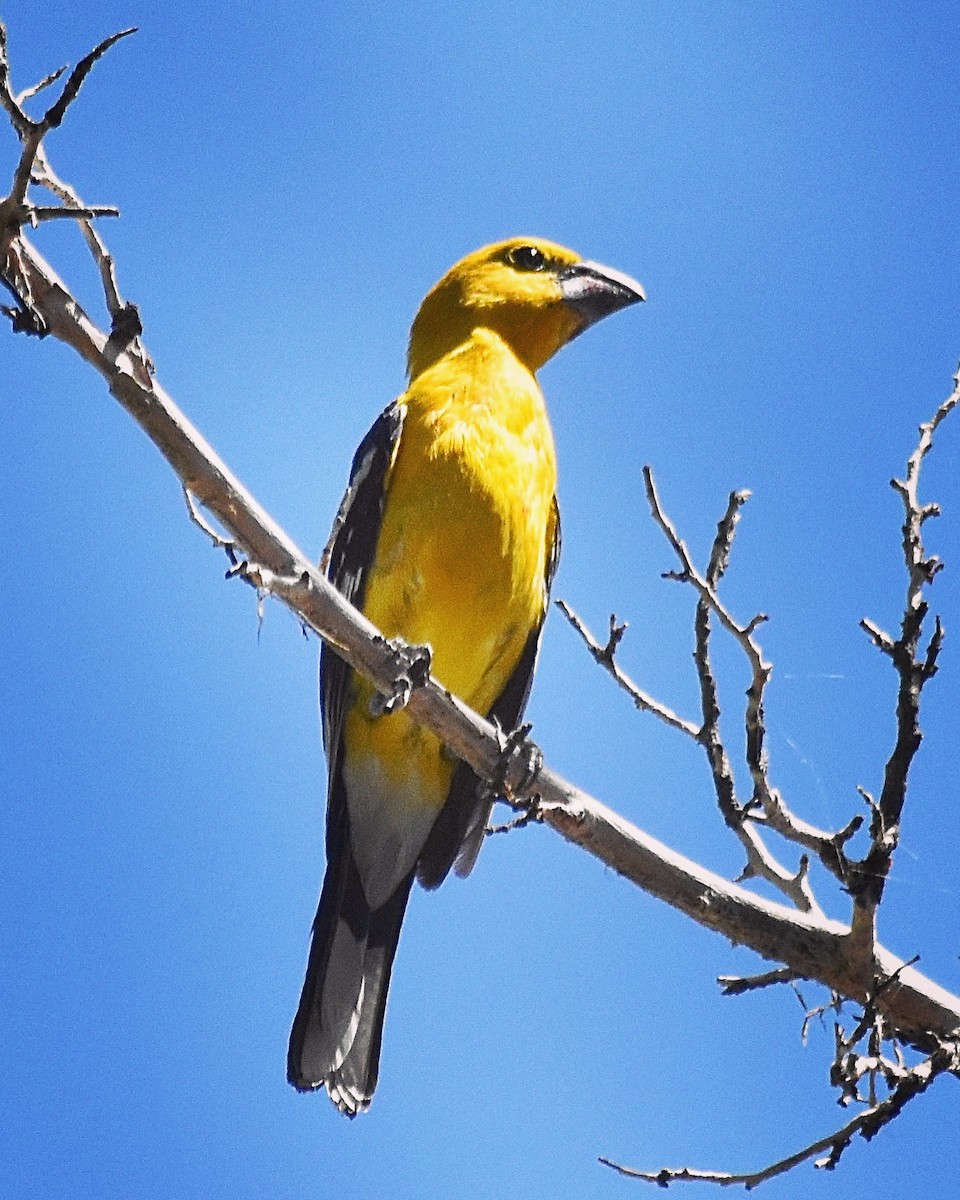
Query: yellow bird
x=448, y=536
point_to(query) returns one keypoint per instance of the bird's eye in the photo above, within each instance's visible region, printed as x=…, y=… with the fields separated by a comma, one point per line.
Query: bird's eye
x=527, y=258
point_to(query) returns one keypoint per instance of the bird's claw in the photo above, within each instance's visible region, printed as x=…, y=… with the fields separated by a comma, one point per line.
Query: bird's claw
x=519, y=763
x=411, y=669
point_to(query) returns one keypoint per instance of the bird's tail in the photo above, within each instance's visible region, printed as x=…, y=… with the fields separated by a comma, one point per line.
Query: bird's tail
x=335, y=1040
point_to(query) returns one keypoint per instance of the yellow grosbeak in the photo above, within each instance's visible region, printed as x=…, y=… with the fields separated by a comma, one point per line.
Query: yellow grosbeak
x=448, y=536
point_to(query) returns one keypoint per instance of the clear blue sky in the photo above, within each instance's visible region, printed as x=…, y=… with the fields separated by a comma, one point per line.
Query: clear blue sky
x=783, y=178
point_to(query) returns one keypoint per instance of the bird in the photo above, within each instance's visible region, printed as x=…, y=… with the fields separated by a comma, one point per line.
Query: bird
x=448, y=536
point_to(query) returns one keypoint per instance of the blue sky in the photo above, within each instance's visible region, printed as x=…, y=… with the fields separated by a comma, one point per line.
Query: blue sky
x=783, y=180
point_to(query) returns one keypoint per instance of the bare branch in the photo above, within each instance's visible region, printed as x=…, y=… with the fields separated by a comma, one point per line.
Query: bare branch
x=606, y=657
x=743, y=634
x=913, y=667
x=766, y=805
x=531, y=816
x=880, y=638
x=45, y=175
x=8, y=101
x=690, y=574
x=15, y=211
x=737, y=985
x=37, y=88
x=41, y=213
x=867, y=1124
x=811, y=946
x=761, y=862
x=57, y=111
x=722, y=543
x=196, y=516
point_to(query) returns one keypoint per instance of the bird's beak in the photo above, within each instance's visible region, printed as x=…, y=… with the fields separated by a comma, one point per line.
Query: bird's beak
x=594, y=292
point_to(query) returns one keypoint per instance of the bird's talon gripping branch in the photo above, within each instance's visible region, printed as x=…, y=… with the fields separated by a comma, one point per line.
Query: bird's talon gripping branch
x=125, y=329
x=411, y=669
x=519, y=764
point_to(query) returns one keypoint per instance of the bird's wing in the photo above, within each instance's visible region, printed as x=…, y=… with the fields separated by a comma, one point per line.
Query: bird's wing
x=335, y=1038
x=457, y=834
x=347, y=559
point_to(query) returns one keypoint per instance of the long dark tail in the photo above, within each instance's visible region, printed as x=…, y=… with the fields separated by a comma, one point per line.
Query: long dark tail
x=335, y=1040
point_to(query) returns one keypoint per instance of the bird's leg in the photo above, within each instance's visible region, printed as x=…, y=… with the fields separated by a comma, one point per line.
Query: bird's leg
x=411, y=669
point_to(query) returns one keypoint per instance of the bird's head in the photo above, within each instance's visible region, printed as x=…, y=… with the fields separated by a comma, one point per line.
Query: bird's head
x=534, y=294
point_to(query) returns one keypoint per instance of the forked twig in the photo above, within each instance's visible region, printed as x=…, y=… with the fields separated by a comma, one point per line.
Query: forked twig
x=867, y=1124
x=605, y=655
x=915, y=666
x=15, y=209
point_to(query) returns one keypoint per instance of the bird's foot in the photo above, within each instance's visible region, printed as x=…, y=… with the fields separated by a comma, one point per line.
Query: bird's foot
x=411, y=669
x=519, y=763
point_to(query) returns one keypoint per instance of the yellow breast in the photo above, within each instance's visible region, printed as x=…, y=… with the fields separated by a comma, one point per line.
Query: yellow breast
x=461, y=557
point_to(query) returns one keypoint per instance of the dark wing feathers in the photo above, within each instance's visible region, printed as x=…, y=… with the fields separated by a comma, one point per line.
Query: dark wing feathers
x=335, y=1040
x=350, y=549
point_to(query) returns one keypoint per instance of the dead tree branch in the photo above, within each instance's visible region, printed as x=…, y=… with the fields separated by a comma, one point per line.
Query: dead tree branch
x=867, y=1123
x=607, y=658
x=914, y=664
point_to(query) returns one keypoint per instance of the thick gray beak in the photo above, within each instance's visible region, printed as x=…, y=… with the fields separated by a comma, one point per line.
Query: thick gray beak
x=594, y=291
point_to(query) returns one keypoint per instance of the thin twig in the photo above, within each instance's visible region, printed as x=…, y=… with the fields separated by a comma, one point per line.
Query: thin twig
x=761, y=862
x=45, y=175
x=57, y=111
x=37, y=88
x=530, y=817
x=737, y=985
x=227, y=544
x=767, y=805
x=41, y=213
x=866, y=1123
x=605, y=655
x=913, y=666
x=15, y=211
